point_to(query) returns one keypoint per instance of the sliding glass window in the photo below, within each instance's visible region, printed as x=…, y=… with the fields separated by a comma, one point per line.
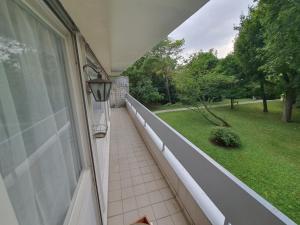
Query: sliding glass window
x=39, y=157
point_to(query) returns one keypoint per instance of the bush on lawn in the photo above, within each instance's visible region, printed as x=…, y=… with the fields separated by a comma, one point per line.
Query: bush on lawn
x=225, y=137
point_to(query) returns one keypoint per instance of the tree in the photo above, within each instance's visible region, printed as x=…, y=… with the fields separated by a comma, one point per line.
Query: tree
x=140, y=83
x=156, y=66
x=249, y=49
x=202, y=63
x=281, y=19
x=236, y=84
x=199, y=84
x=190, y=78
x=164, y=59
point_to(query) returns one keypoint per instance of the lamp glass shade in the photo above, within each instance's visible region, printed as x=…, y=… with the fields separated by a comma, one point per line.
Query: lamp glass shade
x=100, y=130
x=100, y=89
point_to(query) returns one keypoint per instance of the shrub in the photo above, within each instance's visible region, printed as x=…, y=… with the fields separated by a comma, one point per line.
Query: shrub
x=225, y=137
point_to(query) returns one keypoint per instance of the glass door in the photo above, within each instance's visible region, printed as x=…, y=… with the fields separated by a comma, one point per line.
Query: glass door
x=39, y=156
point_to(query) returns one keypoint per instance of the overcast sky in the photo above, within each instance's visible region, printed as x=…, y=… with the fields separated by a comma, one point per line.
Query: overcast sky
x=212, y=26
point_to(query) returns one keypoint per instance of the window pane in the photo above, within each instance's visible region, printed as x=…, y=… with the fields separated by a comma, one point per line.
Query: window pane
x=39, y=157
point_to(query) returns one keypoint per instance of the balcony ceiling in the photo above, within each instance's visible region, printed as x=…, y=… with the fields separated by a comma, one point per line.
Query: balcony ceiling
x=121, y=31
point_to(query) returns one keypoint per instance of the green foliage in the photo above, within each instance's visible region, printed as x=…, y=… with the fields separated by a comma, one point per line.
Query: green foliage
x=230, y=66
x=281, y=19
x=237, y=86
x=205, y=77
x=201, y=63
x=145, y=92
x=150, y=77
x=199, y=83
x=225, y=137
x=215, y=85
x=298, y=101
x=140, y=83
x=163, y=60
x=249, y=45
x=249, y=49
x=282, y=37
x=265, y=63
x=197, y=80
x=268, y=49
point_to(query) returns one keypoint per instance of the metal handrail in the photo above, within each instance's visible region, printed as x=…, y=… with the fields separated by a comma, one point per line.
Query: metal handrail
x=239, y=204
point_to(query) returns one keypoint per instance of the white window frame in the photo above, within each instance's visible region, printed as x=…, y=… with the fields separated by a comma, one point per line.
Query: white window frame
x=40, y=9
x=76, y=90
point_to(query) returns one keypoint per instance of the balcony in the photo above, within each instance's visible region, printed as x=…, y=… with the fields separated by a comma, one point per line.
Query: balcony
x=136, y=185
x=155, y=171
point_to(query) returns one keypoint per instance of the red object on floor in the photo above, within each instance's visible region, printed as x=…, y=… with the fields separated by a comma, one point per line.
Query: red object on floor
x=143, y=221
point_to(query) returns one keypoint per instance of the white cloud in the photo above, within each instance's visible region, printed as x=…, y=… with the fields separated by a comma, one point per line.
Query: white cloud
x=224, y=50
x=212, y=27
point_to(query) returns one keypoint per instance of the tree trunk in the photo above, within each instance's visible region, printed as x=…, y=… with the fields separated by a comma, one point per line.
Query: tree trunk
x=168, y=89
x=231, y=103
x=289, y=100
x=263, y=96
x=224, y=123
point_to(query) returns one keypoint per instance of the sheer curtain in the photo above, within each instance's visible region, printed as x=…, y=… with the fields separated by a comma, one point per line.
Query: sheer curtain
x=39, y=157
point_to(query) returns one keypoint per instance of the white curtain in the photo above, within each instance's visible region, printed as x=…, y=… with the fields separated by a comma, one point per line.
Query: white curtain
x=39, y=157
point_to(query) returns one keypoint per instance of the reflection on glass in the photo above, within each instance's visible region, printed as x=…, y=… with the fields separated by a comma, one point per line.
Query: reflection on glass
x=39, y=157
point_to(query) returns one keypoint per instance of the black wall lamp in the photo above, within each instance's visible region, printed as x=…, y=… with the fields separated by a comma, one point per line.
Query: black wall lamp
x=99, y=87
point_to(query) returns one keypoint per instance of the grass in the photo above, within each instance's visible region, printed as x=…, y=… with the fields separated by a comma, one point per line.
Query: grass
x=178, y=105
x=268, y=160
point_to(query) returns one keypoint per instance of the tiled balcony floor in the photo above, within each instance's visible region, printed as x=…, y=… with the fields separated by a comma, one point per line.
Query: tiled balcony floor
x=136, y=185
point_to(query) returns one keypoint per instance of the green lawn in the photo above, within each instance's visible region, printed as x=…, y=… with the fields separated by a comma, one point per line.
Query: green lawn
x=178, y=105
x=269, y=159
x=167, y=106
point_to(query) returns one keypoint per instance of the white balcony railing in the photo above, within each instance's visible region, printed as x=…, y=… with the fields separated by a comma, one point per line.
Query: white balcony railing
x=230, y=201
